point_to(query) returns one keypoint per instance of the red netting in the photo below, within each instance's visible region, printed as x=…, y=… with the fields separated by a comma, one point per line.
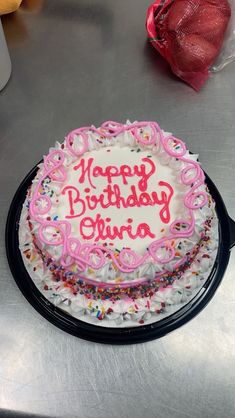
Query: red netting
x=188, y=34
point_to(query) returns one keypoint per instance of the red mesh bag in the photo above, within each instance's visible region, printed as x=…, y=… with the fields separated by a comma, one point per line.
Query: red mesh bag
x=188, y=34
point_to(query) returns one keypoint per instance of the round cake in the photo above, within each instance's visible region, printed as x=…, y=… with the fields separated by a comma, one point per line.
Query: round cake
x=118, y=226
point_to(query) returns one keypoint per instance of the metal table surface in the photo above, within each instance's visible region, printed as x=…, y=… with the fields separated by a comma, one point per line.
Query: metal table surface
x=77, y=62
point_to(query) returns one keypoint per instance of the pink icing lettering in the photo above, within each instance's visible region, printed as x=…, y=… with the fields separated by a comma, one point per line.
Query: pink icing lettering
x=70, y=142
x=165, y=211
x=111, y=171
x=85, y=170
x=87, y=223
x=73, y=201
x=132, y=199
x=111, y=196
x=143, y=183
x=98, y=229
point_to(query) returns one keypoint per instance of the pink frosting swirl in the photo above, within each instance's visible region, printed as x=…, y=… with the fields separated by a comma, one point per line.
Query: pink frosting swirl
x=56, y=233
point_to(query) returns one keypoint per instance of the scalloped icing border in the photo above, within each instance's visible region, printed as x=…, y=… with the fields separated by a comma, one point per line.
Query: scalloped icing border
x=127, y=261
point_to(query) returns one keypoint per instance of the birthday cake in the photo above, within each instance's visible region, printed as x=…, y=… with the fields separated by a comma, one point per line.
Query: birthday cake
x=118, y=226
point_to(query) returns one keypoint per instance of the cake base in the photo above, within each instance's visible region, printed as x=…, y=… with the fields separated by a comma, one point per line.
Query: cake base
x=119, y=313
x=122, y=333
x=119, y=322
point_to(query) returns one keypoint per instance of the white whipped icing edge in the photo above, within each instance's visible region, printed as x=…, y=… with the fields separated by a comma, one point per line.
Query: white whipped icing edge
x=150, y=268
x=78, y=306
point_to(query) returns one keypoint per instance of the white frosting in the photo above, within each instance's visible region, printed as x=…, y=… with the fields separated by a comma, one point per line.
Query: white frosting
x=167, y=169
x=117, y=151
x=117, y=156
x=124, y=313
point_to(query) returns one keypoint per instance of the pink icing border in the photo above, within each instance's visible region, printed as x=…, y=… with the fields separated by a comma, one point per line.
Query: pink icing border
x=127, y=261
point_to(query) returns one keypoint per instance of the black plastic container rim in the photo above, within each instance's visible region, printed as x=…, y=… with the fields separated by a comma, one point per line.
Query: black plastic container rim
x=116, y=335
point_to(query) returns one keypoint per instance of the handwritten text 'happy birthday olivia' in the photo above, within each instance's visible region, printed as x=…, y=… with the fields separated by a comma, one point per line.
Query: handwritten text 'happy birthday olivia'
x=98, y=228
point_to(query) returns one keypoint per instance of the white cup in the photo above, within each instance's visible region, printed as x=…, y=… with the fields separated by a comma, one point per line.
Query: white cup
x=5, y=62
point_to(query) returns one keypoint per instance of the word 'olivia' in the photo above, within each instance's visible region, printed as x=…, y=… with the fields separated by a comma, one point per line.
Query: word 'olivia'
x=98, y=229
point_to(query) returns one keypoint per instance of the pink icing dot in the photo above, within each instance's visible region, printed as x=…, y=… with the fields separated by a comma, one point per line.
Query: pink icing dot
x=154, y=248
x=97, y=251
x=145, y=141
x=44, y=229
x=190, y=200
x=70, y=142
x=185, y=177
x=37, y=207
x=53, y=165
x=183, y=228
x=177, y=150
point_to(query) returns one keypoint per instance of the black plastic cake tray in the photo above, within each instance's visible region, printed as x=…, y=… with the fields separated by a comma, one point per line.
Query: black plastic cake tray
x=116, y=335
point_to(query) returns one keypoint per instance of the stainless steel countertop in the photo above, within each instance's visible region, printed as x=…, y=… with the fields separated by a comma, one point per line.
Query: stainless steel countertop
x=80, y=62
